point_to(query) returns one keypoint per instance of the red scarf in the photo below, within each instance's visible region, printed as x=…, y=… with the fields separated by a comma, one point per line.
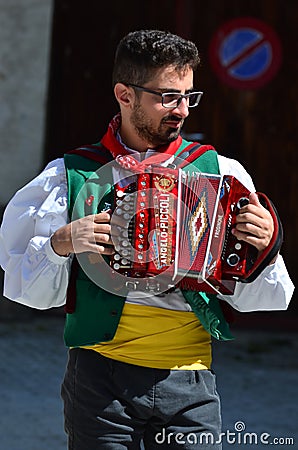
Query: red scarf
x=125, y=158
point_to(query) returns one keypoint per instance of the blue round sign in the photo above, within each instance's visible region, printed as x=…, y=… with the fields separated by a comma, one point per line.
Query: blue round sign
x=245, y=53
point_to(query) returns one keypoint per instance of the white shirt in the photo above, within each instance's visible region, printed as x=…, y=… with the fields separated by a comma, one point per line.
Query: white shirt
x=37, y=277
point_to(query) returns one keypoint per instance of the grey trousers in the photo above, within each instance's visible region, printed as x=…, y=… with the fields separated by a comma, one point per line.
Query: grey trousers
x=113, y=405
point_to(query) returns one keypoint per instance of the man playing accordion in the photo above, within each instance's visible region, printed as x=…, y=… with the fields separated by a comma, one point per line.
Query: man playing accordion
x=139, y=359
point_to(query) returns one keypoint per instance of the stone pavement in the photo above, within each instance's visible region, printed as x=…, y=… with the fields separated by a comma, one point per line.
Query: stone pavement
x=257, y=378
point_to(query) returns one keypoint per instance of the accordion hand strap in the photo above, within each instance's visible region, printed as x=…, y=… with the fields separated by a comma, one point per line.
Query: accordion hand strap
x=265, y=258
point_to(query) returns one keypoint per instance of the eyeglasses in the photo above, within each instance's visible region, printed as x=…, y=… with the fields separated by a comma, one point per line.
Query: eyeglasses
x=173, y=99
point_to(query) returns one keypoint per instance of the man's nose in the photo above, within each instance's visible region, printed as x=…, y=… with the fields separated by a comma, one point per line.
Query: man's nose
x=183, y=107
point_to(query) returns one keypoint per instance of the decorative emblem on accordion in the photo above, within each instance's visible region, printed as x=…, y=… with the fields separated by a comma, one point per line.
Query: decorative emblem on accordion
x=178, y=225
x=164, y=182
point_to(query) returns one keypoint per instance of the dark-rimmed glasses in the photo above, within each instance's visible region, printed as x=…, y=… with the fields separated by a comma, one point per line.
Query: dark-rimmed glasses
x=173, y=99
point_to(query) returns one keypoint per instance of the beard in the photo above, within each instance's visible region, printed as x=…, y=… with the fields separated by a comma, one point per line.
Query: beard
x=152, y=134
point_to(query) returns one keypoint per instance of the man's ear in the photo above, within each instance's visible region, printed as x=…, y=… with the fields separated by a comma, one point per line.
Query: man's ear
x=123, y=94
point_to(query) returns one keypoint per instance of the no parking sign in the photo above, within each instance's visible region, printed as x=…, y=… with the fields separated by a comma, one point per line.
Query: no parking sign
x=245, y=53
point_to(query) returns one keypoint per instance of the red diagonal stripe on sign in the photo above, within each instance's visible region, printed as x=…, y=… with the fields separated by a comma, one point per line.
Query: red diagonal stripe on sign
x=247, y=52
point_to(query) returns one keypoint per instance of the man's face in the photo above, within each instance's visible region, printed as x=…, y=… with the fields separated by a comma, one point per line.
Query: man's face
x=153, y=123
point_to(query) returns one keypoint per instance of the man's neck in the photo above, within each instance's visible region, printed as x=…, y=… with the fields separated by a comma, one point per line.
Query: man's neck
x=133, y=141
x=140, y=156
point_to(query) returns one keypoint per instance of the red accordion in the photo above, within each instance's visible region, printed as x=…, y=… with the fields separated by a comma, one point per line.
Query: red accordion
x=176, y=227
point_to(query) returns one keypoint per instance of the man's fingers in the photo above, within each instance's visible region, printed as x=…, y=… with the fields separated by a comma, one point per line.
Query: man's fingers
x=102, y=238
x=102, y=228
x=92, y=233
x=254, y=199
x=103, y=217
x=249, y=228
x=100, y=249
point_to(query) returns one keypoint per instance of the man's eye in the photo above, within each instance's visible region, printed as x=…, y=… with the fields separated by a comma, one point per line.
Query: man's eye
x=171, y=97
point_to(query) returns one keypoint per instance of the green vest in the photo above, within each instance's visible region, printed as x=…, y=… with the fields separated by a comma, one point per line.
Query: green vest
x=97, y=312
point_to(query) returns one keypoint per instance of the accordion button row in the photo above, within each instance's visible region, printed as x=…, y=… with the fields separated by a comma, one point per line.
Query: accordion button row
x=125, y=206
x=134, y=225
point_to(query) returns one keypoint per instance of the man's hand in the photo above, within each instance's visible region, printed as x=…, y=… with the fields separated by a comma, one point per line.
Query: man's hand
x=89, y=234
x=254, y=224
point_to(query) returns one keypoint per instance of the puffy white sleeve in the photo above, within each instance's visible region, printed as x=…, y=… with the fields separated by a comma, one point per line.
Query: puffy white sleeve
x=34, y=274
x=273, y=288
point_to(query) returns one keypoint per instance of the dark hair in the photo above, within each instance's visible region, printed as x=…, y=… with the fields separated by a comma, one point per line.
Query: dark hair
x=141, y=53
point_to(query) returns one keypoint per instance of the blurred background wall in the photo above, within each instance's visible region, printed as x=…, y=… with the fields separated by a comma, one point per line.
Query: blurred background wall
x=55, y=84
x=25, y=34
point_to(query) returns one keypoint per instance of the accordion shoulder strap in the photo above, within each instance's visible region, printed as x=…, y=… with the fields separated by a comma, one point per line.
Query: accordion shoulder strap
x=95, y=152
x=192, y=150
x=203, y=157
